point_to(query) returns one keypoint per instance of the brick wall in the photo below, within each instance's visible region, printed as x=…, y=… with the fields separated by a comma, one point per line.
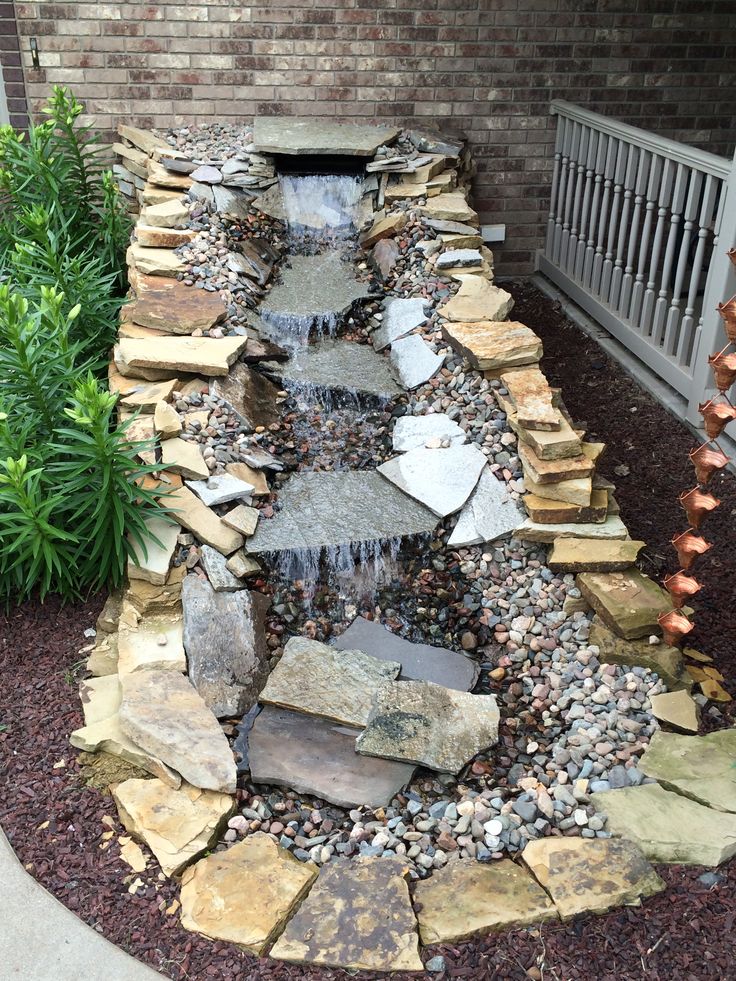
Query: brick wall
x=488, y=67
x=10, y=60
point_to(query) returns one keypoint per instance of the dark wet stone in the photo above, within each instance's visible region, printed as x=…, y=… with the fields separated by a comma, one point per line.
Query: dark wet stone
x=251, y=395
x=343, y=365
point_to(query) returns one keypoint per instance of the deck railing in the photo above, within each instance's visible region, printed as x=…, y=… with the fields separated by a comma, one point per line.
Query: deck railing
x=637, y=233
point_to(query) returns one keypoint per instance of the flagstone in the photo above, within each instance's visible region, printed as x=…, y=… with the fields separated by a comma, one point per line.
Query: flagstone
x=103, y=658
x=575, y=490
x=546, y=512
x=383, y=227
x=153, y=642
x=319, y=680
x=321, y=761
x=166, y=421
x=168, y=355
x=668, y=827
x=141, y=138
x=592, y=555
x=628, y=602
x=152, y=195
x=415, y=361
x=491, y=344
x=151, y=236
x=553, y=471
x=176, y=825
x=584, y=875
x=246, y=894
x=664, y=660
x=677, y=709
x=450, y=206
x=168, y=214
x=152, y=561
x=430, y=725
x=202, y=522
x=400, y=317
x=412, y=432
x=612, y=528
x=242, y=565
x=147, y=395
x=225, y=641
x=468, y=899
x=221, y=488
x=218, y=574
x=699, y=767
x=563, y=443
x=479, y=302
x=465, y=240
x=163, y=713
x=173, y=307
x=490, y=513
x=251, y=395
x=532, y=398
x=184, y=457
x=337, y=924
x=419, y=662
x=307, y=136
x=165, y=178
x=441, y=479
x=242, y=519
x=339, y=364
x=249, y=475
x=154, y=262
x=451, y=258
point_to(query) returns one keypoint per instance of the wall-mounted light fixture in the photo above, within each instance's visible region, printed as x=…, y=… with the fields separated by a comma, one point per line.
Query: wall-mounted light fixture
x=34, y=53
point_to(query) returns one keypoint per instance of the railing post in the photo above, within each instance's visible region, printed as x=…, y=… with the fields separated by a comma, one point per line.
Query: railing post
x=720, y=285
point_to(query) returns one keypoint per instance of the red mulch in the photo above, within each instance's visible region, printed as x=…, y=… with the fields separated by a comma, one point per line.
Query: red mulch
x=683, y=934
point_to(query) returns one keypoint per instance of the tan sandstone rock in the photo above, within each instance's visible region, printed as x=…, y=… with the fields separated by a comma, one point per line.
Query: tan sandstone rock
x=478, y=300
x=202, y=521
x=488, y=344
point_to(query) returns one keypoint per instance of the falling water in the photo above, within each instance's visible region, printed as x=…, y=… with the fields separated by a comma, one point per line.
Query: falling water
x=293, y=330
x=320, y=208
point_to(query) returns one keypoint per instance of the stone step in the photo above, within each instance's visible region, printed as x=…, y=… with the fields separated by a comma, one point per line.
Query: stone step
x=628, y=602
x=592, y=555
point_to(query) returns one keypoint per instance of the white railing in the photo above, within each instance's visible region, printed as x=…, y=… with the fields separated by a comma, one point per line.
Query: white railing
x=637, y=233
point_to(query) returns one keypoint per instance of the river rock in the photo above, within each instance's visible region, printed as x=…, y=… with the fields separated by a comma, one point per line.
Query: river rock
x=225, y=642
x=419, y=662
x=700, y=767
x=162, y=713
x=469, y=899
x=490, y=513
x=400, y=317
x=427, y=724
x=664, y=660
x=591, y=875
x=321, y=761
x=325, y=930
x=442, y=479
x=177, y=825
x=415, y=361
x=628, y=602
x=245, y=894
x=411, y=432
x=320, y=680
x=668, y=827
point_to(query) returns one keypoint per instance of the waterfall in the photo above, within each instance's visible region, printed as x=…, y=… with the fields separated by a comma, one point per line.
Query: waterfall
x=322, y=208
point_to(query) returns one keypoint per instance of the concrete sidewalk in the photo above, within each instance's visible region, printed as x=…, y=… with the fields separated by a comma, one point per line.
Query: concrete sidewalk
x=40, y=940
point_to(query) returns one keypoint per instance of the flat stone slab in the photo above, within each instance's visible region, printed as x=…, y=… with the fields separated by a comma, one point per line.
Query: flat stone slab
x=668, y=827
x=150, y=642
x=400, y=317
x=556, y=470
x=584, y=875
x=151, y=559
x=531, y=395
x=384, y=226
x=547, y=512
x=677, y=709
x=244, y=895
x=666, y=661
x=341, y=365
x=699, y=767
x=450, y=206
x=490, y=345
x=225, y=641
x=458, y=258
x=154, y=262
x=577, y=491
x=412, y=432
x=308, y=137
x=427, y=724
x=250, y=394
x=148, y=395
x=415, y=361
x=221, y=488
x=592, y=555
x=419, y=662
x=358, y=917
x=441, y=479
x=177, y=825
x=202, y=522
x=490, y=513
x=319, y=510
x=468, y=899
x=321, y=760
x=612, y=528
x=628, y=602
x=162, y=713
x=139, y=356
x=185, y=458
x=170, y=306
x=320, y=680
x=476, y=301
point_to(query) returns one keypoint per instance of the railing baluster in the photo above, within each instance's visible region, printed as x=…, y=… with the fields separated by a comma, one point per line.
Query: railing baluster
x=659, y=313
x=586, y=219
x=610, y=165
x=551, y=221
x=705, y=222
x=569, y=188
x=614, y=293
x=618, y=178
x=582, y=155
x=672, y=328
x=656, y=172
x=557, y=235
x=600, y=164
x=624, y=304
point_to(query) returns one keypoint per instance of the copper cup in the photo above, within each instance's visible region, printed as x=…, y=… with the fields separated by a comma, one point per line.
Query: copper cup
x=732, y=255
x=716, y=416
x=706, y=460
x=724, y=370
x=681, y=587
x=697, y=505
x=688, y=548
x=728, y=315
x=674, y=626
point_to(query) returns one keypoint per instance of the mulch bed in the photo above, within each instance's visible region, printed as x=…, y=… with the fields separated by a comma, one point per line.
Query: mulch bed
x=685, y=933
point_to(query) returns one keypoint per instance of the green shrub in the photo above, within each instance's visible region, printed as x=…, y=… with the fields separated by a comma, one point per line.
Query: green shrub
x=71, y=501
